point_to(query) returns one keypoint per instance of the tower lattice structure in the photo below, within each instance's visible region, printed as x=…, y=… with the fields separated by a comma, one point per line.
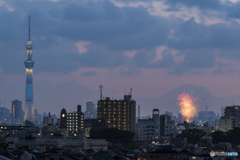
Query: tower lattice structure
x=29, y=63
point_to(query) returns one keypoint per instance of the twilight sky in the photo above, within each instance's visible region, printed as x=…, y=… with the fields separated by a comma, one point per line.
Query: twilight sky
x=152, y=46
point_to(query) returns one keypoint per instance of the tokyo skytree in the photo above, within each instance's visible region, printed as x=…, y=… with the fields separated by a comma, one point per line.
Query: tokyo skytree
x=29, y=107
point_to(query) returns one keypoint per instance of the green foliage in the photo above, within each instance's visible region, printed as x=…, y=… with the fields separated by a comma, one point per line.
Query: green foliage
x=30, y=137
x=113, y=135
x=231, y=136
x=192, y=135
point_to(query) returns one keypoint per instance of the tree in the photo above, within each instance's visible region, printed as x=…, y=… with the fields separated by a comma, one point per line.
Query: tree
x=231, y=136
x=113, y=135
x=192, y=135
x=218, y=136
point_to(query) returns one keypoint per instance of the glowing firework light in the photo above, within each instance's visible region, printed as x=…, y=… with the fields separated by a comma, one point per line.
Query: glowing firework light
x=188, y=106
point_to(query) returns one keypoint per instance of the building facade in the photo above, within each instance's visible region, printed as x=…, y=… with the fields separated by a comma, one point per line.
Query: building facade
x=92, y=125
x=119, y=114
x=91, y=110
x=48, y=120
x=230, y=119
x=72, y=122
x=167, y=126
x=149, y=128
x=29, y=63
x=16, y=111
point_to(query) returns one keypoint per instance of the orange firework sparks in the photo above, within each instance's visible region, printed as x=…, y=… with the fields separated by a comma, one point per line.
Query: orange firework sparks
x=188, y=106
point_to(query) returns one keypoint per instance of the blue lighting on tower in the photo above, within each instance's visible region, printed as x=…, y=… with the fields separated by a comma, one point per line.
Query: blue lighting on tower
x=29, y=107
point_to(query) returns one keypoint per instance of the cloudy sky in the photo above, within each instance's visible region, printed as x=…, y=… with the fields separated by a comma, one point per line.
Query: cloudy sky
x=152, y=46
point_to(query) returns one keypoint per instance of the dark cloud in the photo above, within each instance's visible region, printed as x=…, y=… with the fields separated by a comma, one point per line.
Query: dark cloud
x=123, y=28
x=56, y=27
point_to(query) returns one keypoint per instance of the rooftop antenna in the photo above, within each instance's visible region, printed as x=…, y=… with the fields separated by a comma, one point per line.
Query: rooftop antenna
x=4, y=103
x=29, y=27
x=101, y=96
x=131, y=91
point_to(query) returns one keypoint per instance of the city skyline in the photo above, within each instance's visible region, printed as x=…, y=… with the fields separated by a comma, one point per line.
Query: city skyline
x=153, y=47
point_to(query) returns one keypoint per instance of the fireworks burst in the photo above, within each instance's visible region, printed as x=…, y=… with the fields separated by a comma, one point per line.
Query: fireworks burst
x=188, y=106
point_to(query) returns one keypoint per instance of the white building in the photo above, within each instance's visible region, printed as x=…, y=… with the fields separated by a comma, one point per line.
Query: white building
x=168, y=126
x=149, y=128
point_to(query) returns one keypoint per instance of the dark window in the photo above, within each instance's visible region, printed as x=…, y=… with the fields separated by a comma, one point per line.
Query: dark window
x=51, y=158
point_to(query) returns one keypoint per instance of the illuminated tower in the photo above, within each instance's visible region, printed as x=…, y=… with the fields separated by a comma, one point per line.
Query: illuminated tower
x=29, y=107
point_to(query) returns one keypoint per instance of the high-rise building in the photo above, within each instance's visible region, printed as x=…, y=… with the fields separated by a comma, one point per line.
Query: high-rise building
x=37, y=116
x=5, y=115
x=120, y=114
x=73, y=122
x=222, y=111
x=230, y=119
x=16, y=111
x=54, y=116
x=48, y=120
x=29, y=107
x=91, y=111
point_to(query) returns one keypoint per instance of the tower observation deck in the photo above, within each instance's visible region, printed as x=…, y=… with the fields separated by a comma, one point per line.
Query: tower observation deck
x=29, y=107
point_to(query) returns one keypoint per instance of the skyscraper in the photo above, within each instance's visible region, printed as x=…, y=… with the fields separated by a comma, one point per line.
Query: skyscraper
x=29, y=107
x=91, y=111
x=16, y=111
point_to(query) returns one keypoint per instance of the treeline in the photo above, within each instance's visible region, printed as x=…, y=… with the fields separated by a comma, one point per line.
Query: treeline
x=231, y=136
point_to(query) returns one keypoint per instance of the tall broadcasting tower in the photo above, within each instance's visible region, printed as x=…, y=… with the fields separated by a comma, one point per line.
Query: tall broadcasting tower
x=29, y=107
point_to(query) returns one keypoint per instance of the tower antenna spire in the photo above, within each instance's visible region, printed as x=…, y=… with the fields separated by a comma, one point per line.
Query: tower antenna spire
x=29, y=27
